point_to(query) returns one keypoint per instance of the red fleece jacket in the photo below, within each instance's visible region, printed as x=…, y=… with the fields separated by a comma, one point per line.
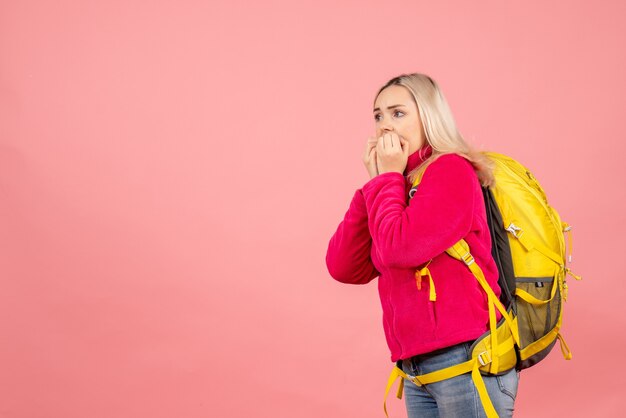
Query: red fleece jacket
x=384, y=234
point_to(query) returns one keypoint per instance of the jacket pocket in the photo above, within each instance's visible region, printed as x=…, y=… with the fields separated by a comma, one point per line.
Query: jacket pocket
x=432, y=311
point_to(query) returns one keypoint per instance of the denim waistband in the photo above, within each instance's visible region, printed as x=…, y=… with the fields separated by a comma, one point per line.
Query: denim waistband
x=416, y=359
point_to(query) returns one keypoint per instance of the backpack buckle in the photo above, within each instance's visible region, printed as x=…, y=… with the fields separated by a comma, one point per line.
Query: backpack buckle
x=414, y=379
x=514, y=229
x=468, y=259
x=484, y=358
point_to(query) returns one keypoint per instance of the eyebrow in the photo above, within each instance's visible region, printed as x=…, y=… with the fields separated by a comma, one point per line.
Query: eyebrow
x=389, y=107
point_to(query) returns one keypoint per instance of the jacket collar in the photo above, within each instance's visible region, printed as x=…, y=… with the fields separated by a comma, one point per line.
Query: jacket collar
x=417, y=158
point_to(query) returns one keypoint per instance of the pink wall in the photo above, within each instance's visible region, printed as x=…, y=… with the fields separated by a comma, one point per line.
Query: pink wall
x=171, y=173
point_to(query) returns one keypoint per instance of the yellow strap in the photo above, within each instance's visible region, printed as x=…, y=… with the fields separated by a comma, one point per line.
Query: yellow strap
x=400, y=388
x=531, y=299
x=494, y=334
x=471, y=365
x=482, y=392
x=432, y=377
x=418, y=179
x=568, y=231
x=431, y=285
x=496, y=302
x=564, y=347
x=432, y=296
x=460, y=251
x=568, y=271
x=541, y=343
x=396, y=372
x=530, y=244
x=446, y=373
x=436, y=376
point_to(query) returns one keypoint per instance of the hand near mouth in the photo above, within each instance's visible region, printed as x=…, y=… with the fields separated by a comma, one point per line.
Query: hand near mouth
x=369, y=157
x=392, y=153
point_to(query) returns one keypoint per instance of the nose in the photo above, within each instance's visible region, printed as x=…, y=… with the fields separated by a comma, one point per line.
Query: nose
x=385, y=128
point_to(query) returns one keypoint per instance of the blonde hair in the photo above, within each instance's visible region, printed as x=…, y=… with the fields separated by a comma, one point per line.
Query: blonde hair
x=439, y=126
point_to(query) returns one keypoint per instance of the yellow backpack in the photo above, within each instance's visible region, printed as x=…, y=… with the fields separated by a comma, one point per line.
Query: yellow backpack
x=528, y=245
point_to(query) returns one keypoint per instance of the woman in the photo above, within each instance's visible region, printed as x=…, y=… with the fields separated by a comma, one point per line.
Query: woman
x=429, y=322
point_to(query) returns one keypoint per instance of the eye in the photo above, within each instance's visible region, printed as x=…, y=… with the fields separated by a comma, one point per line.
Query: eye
x=377, y=116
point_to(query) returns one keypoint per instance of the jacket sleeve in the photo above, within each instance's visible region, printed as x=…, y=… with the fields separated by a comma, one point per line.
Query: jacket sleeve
x=439, y=214
x=348, y=257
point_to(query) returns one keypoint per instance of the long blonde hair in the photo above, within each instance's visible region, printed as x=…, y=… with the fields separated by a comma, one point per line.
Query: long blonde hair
x=439, y=126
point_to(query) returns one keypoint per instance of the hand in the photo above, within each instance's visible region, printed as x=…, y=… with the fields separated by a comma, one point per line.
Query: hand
x=369, y=157
x=392, y=153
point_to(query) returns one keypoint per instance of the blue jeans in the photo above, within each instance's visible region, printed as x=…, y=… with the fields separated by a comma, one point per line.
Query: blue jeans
x=457, y=396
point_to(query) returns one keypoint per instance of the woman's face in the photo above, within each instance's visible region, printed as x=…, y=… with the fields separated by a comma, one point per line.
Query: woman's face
x=396, y=111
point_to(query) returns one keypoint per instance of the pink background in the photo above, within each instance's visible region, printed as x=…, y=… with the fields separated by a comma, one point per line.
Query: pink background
x=171, y=173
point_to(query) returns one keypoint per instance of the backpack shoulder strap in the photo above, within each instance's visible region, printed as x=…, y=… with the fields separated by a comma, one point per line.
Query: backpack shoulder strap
x=461, y=251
